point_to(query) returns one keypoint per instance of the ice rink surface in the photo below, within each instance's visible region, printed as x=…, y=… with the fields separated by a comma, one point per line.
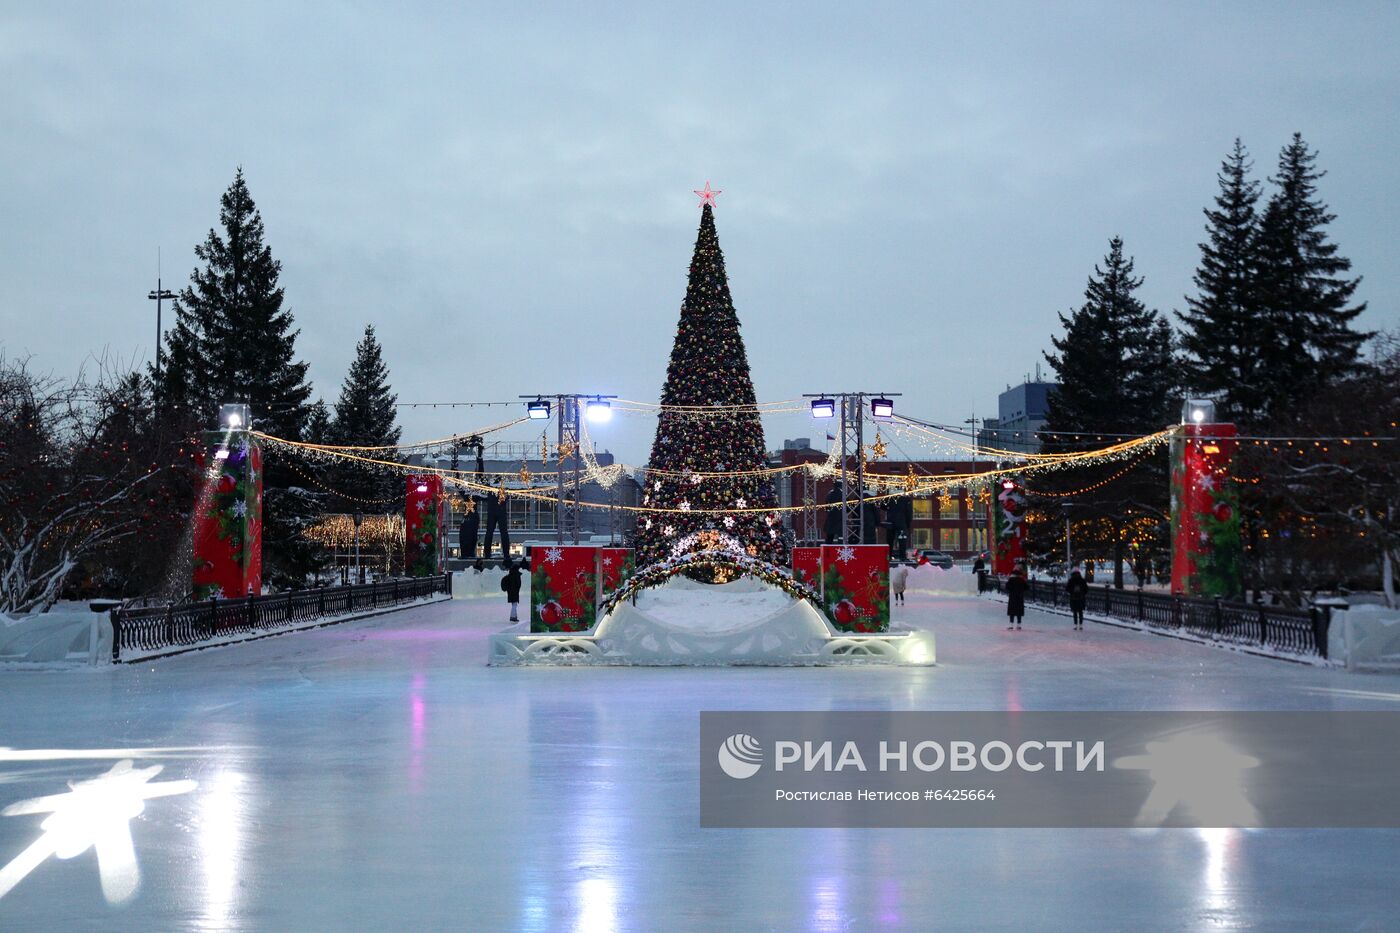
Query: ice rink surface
x=378, y=776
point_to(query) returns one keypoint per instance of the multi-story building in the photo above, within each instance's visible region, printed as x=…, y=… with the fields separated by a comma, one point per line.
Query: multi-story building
x=955, y=524
x=1021, y=412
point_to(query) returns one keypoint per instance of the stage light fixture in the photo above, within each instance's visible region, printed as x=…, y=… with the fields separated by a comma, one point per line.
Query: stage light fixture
x=538, y=410
x=881, y=409
x=823, y=408
x=599, y=410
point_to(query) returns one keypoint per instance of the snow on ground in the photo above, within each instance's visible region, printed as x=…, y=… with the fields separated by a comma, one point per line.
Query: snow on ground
x=711, y=608
x=377, y=775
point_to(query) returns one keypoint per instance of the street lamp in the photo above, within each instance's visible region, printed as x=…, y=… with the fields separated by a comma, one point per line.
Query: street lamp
x=234, y=416
x=1065, y=510
x=1198, y=411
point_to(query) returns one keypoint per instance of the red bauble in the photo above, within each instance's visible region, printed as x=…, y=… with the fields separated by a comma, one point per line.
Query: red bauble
x=551, y=612
x=227, y=483
x=1223, y=512
x=845, y=612
x=427, y=538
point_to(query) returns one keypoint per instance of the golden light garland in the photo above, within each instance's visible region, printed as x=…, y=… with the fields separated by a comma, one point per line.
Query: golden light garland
x=932, y=485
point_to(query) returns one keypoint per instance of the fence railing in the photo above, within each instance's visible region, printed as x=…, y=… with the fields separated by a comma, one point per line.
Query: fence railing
x=1294, y=631
x=157, y=630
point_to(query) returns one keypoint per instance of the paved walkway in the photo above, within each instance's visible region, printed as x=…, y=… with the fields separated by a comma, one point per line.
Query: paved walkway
x=377, y=775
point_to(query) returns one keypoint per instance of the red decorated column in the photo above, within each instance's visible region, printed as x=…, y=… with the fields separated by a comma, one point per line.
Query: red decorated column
x=227, y=539
x=1207, y=550
x=1008, y=508
x=807, y=566
x=424, y=507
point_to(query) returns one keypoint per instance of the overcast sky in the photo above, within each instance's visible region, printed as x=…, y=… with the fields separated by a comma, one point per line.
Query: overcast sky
x=911, y=192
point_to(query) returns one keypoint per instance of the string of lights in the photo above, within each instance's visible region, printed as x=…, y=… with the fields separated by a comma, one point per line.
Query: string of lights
x=460, y=478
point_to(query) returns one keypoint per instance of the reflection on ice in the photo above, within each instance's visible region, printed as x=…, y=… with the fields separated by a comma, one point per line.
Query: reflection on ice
x=221, y=815
x=93, y=814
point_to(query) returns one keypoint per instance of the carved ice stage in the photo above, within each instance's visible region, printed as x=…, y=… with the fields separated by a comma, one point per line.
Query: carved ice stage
x=684, y=623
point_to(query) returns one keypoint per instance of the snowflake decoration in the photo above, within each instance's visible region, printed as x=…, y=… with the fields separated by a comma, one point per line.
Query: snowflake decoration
x=656, y=485
x=742, y=503
x=685, y=506
x=669, y=530
x=648, y=524
x=553, y=555
x=729, y=521
x=240, y=508
x=846, y=554
x=607, y=563
x=695, y=479
x=1207, y=482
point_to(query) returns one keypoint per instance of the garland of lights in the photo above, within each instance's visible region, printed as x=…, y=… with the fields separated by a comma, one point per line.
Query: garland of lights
x=744, y=564
x=918, y=487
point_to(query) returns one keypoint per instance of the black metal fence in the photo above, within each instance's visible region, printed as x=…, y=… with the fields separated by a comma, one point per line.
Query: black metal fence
x=151, y=632
x=1294, y=631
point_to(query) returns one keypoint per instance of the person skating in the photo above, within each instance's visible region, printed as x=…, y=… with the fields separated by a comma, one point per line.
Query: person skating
x=510, y=583
x=1016, y=598
x=899, y=579
x=1077, y=589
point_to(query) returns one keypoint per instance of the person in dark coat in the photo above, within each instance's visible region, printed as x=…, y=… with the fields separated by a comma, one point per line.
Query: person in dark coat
x=1016, y=598
x=510, y=583
x=1077, y=589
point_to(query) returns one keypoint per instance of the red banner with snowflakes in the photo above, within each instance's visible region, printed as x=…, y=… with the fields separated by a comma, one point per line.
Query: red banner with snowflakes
x=807, y=566
x=1207, y=550
x=563, y=588
x=856, y=586
x=424, y=516
x=615, y=566
x=227, y=538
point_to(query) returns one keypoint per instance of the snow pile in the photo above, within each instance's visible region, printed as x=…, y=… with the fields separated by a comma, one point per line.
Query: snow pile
x=1365, y=636
x=471, y=584
x=939, y=582
x=67, y=634
x=712, y=608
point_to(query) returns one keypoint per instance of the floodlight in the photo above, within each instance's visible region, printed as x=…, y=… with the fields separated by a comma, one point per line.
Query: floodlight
x=422, y=487
x=538, y=409
x=1198, y=411
x=881, y=408
x=233, y=416
x=599, y=410
x=823, y=408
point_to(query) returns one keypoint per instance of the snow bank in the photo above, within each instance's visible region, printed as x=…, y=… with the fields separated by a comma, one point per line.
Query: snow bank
x=939, y=582
x=712, y=608
x=68, y=635
x=469, y=584
x=1365, y=636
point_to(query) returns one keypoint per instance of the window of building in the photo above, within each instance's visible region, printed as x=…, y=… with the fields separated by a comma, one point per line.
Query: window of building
x=977, y=539
x=519, y=513
x=923, y=537
x=948, y=507
x=950, y=540
x=923, y=508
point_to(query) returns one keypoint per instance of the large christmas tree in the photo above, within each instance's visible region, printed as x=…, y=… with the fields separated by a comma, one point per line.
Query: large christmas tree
x=708, y=425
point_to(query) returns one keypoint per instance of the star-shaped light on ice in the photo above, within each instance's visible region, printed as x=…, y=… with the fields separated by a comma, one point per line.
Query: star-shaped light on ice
x=708, y=196
x=846, y=554
x=96, y=814
x=553, y=555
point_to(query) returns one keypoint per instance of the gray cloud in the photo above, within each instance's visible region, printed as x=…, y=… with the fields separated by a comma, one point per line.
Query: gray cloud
x=911, y=192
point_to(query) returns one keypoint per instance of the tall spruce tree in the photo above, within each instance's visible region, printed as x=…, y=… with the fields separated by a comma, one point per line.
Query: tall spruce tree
x=366, y=415
x=1117, y=376
x=708, y=367
x=234, y=341
x=1305, y=335
x=1221, y=326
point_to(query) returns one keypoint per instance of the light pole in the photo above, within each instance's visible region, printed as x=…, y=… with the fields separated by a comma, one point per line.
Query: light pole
x=159, y=295
x=599, y=409
x=358, y=518
x=852, y=436
x=1065, y=510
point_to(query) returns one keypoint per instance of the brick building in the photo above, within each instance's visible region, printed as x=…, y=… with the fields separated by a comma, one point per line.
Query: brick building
x=956, y=525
